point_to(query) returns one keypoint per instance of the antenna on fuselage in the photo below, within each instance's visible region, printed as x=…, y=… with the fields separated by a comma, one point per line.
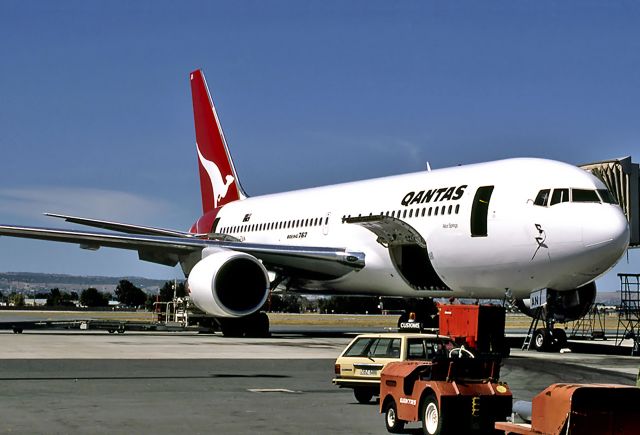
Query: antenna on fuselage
x=428, y=167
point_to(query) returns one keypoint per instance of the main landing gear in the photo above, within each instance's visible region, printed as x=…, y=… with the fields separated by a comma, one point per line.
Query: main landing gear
x=546, y=339
x=253, y=325
x=549, y=339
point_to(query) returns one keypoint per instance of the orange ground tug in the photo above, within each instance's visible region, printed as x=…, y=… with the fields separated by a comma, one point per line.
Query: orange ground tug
x=449, y=395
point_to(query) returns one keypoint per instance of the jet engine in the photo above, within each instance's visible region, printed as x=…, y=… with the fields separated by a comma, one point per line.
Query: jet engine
x=565, y=305
x=229, y=284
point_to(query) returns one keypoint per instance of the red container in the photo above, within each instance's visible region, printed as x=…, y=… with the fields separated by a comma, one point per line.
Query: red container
x=479, y=327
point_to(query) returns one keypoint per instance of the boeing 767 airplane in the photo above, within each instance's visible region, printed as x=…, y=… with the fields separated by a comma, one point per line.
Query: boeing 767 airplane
x=501, y=229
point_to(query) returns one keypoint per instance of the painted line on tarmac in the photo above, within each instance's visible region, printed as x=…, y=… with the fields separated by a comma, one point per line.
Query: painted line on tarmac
x=273, y=390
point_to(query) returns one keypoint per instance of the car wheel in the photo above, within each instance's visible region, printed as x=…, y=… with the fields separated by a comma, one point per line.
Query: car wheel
x=363, y=395
x=394, y=425
x=431, y=417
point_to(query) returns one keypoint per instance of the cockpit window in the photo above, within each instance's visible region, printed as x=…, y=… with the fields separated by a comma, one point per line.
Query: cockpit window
x=583, y=195
x=543, y=197
x=559, y=195
x=607, y=196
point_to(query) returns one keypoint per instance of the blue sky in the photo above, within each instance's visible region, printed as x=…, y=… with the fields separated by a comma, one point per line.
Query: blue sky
x=95, y=108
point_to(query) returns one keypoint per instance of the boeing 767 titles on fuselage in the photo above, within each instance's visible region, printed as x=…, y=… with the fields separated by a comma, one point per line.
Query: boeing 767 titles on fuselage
x=508, y=227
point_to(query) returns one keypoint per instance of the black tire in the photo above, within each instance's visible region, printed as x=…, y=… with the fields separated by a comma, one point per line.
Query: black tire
x=541, y=340
x=258, y=326
x=431, y=416
x=394, y=425
x=506, y=350
x=111, y=331
x=362, y=394
x=232, y=328
x=559, y=337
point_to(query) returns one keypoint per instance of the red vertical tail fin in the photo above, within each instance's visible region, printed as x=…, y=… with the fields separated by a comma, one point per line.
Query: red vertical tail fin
x=219, y=183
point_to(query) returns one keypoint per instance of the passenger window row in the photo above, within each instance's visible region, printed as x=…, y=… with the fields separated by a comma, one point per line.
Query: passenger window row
x=314, y=222
x=280, y=225
x=546, y=198
x=418, y=212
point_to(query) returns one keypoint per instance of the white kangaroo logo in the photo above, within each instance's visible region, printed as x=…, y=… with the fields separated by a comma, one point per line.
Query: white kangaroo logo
x=219, y=187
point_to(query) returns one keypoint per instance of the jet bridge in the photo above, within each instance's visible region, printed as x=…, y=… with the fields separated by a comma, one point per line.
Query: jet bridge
x=622, y=177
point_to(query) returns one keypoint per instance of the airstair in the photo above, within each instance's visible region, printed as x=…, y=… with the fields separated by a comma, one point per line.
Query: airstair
x=526, y=344
x=629, y=311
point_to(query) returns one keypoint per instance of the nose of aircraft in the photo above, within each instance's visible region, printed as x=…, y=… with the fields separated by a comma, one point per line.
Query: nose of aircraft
x=605, y=230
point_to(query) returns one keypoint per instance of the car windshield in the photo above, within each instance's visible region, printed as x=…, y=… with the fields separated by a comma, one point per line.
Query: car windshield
x=360, y=347
x=385, y=348
x=372, y=347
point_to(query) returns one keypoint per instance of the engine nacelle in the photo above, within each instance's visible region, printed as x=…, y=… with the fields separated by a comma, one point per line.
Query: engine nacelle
x=565, y=305
x=229, y=284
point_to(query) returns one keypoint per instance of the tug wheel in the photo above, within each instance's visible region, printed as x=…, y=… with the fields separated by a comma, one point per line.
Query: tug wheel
x=431, y=418
x=394, y=425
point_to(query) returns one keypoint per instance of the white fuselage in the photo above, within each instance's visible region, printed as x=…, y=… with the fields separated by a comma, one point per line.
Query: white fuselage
x=526, y=246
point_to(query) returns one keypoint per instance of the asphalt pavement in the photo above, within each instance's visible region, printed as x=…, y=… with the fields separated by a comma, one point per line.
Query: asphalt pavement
x=95, y=382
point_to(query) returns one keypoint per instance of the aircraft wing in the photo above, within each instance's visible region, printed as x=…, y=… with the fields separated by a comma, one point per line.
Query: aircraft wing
x=123, y=228
x=299, y=261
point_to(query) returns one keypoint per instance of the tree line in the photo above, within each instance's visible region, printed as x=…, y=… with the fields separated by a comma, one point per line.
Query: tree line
x=126, y=293
x=132, y=296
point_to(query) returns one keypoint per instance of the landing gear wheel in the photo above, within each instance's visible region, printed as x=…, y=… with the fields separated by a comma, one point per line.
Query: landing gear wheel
x=541, y=340
x=559, y=337
x=431, y=418
x=255, y=325
x=231, y=328
x=394, y=425
x=363, y=395
x=258, y=326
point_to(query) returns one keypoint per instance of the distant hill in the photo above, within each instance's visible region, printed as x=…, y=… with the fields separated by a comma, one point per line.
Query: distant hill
x=27, y=281
x=608, y=298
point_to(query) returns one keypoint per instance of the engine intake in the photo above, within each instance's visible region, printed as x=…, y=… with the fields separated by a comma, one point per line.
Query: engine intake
x=229, y=284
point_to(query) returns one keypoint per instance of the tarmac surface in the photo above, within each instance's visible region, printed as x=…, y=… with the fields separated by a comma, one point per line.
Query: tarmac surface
x=149, y=382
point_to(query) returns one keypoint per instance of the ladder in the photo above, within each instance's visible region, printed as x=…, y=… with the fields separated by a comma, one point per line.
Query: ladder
x=526, y=344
